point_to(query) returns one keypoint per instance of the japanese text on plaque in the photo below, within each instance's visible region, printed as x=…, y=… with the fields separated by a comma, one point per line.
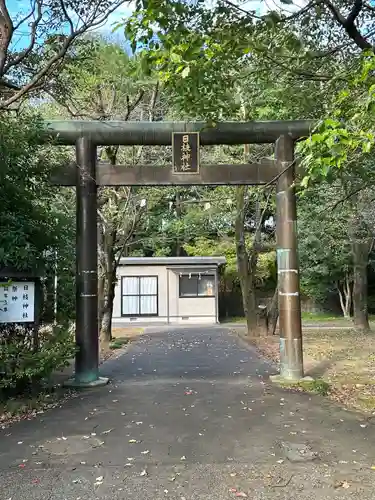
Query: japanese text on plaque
x=17, y=302
x=186, y=152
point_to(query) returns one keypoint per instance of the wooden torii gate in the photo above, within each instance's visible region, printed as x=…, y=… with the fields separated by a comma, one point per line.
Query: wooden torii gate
x=87, y=174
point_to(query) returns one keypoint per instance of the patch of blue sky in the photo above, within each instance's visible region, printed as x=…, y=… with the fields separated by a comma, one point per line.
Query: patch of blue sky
x=19, y=9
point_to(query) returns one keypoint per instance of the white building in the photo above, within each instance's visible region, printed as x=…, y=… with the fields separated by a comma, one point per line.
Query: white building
x=167, y=290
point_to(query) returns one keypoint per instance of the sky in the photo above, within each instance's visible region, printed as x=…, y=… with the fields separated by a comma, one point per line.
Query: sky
x=22, y=36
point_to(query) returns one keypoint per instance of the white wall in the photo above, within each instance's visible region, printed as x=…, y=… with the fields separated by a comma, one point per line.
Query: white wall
x=178, y=310
x=161, y=273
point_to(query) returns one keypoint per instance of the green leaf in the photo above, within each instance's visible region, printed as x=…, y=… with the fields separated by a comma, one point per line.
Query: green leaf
x=117, y=26
x=176, y=58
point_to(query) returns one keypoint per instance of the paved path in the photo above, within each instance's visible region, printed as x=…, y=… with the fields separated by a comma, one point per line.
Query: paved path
x=189, y=415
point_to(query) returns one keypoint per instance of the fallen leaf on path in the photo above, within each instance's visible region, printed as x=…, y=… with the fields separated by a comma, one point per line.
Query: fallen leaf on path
x=342, y=484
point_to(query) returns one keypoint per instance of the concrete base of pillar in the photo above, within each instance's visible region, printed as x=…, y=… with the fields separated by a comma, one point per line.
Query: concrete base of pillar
x=79, y=384
x=279, y=379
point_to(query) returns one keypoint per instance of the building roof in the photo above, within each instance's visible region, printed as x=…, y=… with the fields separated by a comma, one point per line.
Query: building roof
x=170, y=261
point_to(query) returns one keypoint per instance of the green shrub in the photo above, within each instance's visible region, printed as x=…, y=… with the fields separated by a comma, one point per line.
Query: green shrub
x=118, y=343
x=27, y=358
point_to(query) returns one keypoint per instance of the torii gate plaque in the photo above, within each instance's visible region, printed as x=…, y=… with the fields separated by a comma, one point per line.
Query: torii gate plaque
x=86, y=175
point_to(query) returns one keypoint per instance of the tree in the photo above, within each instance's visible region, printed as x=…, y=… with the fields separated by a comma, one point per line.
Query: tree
x=109, y=84
x=324, y=246
x=29, y=222
x=53, y=28
x=33, y=226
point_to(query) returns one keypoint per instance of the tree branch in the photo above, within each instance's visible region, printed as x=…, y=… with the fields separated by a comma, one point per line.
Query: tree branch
x=27, y=51
x=239, y=9
x=6, y=33
x=348, y=23
x=130, y=106
x=60, y=54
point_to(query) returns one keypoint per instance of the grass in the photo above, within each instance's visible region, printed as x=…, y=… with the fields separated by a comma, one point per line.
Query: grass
x=306, y=316
x=344, y=359
x=127, y=332
x=321, y=317
x=317, y=386
x=118, y=343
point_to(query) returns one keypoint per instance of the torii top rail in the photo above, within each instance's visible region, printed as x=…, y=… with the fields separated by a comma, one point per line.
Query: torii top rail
x=88, y=135
x=114, y=133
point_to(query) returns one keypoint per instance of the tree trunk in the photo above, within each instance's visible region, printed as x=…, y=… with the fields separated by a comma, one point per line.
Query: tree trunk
x=345, y=296
x=246, y=266
x=360, y=311
x=109, y=288
x=101, y=273
x=101, y=296
x=106, y=321
x=273, y=312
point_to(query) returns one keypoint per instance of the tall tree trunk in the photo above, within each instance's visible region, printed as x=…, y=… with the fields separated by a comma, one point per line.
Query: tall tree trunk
x=101, y=273
x=360, y=251
x=246, y=265
x=273, y=312
x=106, y=321
x=101, y=296
x=109, y=288
x=345, y=296
x=178, y=213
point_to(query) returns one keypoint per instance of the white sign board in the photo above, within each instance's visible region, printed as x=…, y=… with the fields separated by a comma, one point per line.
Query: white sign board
x=17, y=302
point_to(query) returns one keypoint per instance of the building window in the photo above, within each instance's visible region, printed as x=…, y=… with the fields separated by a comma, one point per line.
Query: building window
x=197, y=285
x=139, y=296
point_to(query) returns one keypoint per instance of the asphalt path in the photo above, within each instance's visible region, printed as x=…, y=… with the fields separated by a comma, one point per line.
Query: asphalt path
x=190, y=414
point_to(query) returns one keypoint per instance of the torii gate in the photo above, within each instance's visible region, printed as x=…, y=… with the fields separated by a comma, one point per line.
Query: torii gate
x=87, y=174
